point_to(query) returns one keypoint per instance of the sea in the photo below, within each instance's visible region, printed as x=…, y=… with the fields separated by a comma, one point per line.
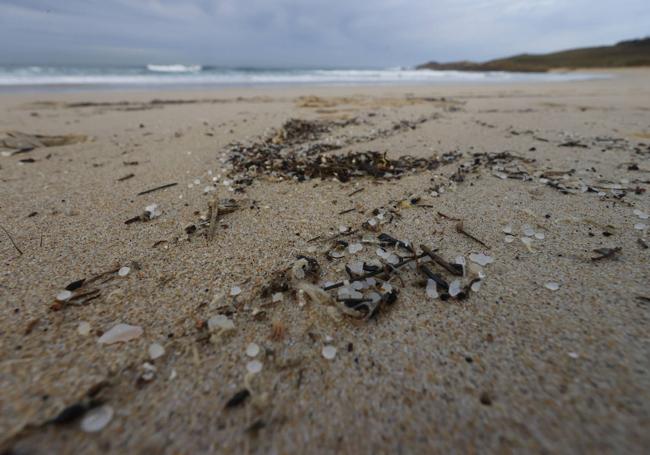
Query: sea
x=71, y=78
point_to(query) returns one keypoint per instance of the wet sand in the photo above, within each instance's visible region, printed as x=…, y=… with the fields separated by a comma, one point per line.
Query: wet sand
x=513, y=367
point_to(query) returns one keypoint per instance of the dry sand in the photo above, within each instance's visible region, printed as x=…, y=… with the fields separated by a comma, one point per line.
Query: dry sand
x=514, y=367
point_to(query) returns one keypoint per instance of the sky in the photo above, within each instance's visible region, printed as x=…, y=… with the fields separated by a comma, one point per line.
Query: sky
x=306, y=33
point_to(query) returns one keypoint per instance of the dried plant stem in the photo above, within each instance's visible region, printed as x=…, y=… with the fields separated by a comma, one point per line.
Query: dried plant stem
x=11, y=239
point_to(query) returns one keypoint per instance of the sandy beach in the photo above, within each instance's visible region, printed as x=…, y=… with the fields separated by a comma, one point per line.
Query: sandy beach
x=545, y=350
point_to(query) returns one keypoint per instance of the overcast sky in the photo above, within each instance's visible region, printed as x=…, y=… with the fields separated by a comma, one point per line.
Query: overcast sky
x=306, y=32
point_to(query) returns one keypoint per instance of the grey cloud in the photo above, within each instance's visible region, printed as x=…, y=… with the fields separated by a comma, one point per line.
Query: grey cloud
x=306, y=32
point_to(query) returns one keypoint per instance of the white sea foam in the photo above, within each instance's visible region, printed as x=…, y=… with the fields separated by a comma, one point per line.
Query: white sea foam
x=161, y=75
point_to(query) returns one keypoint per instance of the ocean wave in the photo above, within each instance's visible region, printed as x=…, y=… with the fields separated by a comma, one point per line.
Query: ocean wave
x=174, y=68
x=180, y=75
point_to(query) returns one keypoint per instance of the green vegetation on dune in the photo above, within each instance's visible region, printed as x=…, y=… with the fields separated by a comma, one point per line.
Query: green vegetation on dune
x=624, y=54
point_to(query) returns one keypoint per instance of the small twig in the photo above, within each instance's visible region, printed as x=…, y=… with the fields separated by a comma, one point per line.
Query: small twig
x=161, y=187
x=460, y=229
x=454, y=269
x=11, y=239
x=356, y=192
x=447, y=217
x=214, y=213
x=126, y=177
x=347, y=211
x=606, y=253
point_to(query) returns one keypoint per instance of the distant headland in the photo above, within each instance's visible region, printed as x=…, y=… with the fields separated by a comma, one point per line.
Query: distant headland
x=624, y=54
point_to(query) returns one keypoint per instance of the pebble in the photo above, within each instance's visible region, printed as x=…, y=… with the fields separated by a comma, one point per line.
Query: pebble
x=124, y=271
x=329, y=352
x=235, y=290
x=120, y=333
x=640, y=226
x=509, y=239
x=539, y=235
x=252, y=350
x=96, y=419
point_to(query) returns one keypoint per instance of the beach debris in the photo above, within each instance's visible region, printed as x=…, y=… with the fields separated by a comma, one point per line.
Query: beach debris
x=150, y=212
x=220, y=324
x=82, y=291
x=481, y=259
x=238, y=398
x=23, y=142
x=252, y=350
x=432, y=289
x=278, y=330
x=552, y=286
x=235, y=291
x=461, y=229
x=63, y=296
x=208, y=221
x=641, y=214
x=11, y=239
x=97, y=419
x=288, y=154
x=126, y=177
x=120, y=333
x=254, y=366
x=606, y=253
x=329, y=352
x=83, y=328
x=156, y=351
x=161, y=187
x=148, y=374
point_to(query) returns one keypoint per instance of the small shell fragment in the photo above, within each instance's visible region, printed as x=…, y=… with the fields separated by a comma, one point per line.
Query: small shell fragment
x=481, y=259
x=539, y=235
x=509, y=239
x=355, y=248
x=96, y=419
x=120, y=333
x=641, y=214
x=552, y=286
x=454, y=288
x=235, y=290
x=528, y=230
x=220, y=322
x=254, y=366
x=124, y=271
x=431, y=290
x=329, y=352
x=507, y=229
x=156, y=351
x=63, y=296
x=252, y=350
x=83, y=329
